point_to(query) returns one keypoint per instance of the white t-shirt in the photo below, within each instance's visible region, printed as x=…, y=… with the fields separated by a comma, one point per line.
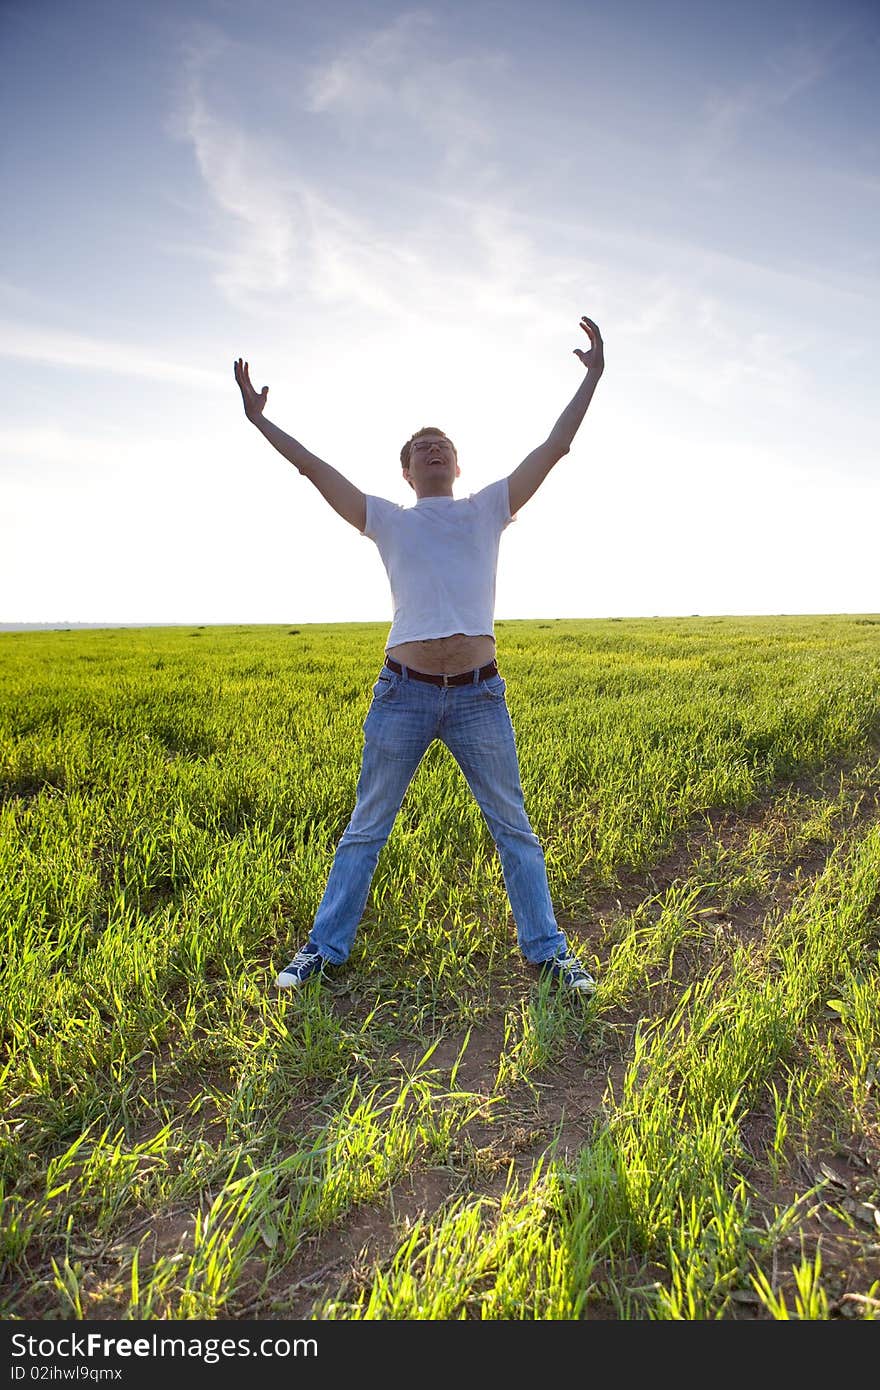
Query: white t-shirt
x=441, y=557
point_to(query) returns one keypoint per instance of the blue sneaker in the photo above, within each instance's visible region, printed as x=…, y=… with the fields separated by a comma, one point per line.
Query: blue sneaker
x=306, y=963
x=570, y=973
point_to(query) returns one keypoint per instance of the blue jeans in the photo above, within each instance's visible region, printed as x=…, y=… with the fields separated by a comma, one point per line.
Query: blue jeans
x=472, y=720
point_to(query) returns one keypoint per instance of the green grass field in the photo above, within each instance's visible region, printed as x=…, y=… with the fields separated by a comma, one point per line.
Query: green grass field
x=433, y=1134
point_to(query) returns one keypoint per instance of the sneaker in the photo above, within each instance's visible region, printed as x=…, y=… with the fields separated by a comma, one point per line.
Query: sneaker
x=304, y=965
x=569, y=972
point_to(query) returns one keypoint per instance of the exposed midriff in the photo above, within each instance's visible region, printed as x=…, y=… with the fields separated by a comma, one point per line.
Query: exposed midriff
x=445, y=656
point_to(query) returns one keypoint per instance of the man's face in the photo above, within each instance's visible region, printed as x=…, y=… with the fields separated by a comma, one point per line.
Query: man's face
x=432, y=466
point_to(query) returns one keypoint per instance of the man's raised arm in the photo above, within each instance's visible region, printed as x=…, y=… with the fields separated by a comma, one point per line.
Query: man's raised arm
x=343, y=496
x=528, y=477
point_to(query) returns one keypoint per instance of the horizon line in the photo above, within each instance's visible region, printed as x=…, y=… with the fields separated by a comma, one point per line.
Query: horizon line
x=67, y=625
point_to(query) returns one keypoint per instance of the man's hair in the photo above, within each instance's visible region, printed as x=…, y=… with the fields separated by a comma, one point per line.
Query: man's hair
x=426, y=429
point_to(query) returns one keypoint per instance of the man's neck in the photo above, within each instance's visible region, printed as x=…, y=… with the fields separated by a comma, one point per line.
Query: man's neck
x=424, y=496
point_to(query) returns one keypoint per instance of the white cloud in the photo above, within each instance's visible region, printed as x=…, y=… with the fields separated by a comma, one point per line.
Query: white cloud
x=294, y=242
x=60, y=348
x=246, y=181
x=399, y=77
x=729, y=112
x=363, y=77
x=289, y=234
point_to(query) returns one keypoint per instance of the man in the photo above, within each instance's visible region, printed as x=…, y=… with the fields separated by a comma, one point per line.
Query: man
x=440, y=679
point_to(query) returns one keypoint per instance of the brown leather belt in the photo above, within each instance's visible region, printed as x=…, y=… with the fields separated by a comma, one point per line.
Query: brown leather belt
x=464, y=678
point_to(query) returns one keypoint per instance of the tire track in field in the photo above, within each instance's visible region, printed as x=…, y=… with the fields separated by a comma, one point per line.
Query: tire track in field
x=553, y=1111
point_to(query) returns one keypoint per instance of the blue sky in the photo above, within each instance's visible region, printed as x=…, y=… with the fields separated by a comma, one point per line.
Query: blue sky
x=398, y=214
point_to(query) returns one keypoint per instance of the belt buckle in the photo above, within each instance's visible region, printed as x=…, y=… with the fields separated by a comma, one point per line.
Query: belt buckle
x=445, y=680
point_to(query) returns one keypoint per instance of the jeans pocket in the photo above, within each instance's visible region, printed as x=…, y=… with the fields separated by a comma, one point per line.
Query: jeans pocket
x=493, y=688
x=385, y=686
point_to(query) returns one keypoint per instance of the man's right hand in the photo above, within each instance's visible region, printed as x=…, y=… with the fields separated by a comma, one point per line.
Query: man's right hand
x=253, y=404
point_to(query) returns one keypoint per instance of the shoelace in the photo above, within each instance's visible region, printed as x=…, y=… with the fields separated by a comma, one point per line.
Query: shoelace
x=305, y=958
x=570, y=963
